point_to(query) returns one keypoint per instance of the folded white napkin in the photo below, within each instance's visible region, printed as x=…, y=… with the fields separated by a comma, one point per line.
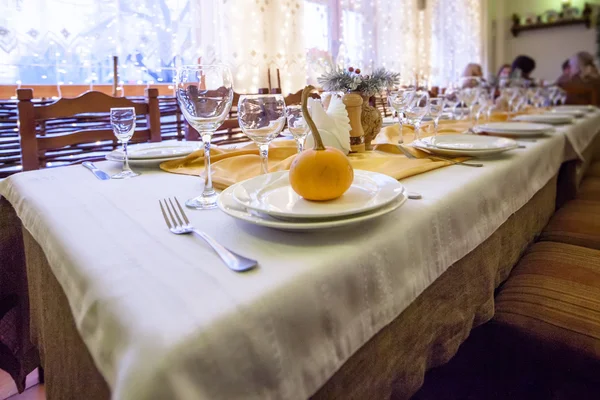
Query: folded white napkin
x=333, y=125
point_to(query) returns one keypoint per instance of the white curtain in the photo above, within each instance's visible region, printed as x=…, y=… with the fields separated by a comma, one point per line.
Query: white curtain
x=457, y=37
x=73, y=41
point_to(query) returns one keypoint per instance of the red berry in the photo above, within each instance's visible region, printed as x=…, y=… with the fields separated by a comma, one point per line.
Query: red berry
x=350, y=69
x=357, y=71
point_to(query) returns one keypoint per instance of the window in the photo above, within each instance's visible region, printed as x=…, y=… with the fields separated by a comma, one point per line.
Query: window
x=66, y=41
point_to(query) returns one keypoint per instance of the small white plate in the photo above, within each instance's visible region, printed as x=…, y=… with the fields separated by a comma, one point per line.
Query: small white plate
x=273, y=195
x=167, y=149
x=546, y=118
x=230, y=206
x=152, y=162
x=491, y=146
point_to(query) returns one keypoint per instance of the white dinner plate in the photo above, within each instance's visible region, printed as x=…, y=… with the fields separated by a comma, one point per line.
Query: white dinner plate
x=583, y=108
x=513, y=128
x=546, y=118
x=230, y=206
x=480, y=146
x=152, y=162
x=273, y=195
x=161, y=150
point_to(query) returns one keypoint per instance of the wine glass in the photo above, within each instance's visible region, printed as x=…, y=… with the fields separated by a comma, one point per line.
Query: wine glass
x=417, y=109
x=204, y=94
x=399, y=100
x=122, y=121
x=297, y=125
x=436, y=109
x=451, y=94
x=262, y=117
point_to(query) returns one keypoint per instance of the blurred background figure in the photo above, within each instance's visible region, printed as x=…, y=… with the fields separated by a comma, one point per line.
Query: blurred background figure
x=504, y=72
x=582, y=68
x=566, y=73
x=473, y=69
x=522, y=67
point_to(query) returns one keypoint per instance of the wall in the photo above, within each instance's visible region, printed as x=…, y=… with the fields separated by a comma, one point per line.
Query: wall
x=549, y=47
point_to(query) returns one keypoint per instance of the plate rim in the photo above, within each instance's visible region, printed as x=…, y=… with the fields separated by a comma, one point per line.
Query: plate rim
x=157, y=144
x=300, y=225
x=470, y=136
x=319, y=216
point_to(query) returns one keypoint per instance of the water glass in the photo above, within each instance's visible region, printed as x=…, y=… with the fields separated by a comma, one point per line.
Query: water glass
x=399, y=100
x=262, y=117
x=297, y=125
x=204, y=94
x=436, y=109
x=122, y=121
x=417, y=110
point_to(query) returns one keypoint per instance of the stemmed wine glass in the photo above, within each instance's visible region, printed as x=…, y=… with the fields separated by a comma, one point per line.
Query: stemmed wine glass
x=399, y=100
x=417, y=109
x=262, y=117
x=451, y=95
x=297, y=125
x=436, y=109
x=122, y=121
x=205, y=94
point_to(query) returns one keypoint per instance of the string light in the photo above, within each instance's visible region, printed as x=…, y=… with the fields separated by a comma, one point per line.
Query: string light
x=433, y=44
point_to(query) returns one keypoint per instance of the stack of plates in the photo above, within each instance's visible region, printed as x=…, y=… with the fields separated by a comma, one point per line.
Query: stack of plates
x=513, y=129
x=148, y=154
x=546, y=118
x=465, y=145
x=269, y=200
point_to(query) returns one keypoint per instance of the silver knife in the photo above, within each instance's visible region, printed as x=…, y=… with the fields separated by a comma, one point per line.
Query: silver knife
x=103, y=176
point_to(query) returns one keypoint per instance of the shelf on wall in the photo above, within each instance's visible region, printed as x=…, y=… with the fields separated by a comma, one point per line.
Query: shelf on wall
x=516, y=29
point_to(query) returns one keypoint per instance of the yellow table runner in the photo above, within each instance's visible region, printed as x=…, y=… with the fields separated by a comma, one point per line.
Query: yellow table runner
x=235, y=165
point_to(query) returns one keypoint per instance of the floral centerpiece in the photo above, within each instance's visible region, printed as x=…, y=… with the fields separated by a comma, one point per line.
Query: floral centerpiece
x=365, y=121
x=351, y=80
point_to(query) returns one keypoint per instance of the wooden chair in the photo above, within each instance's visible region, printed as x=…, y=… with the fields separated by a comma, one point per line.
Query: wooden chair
x=579, y=93
x=36, y=139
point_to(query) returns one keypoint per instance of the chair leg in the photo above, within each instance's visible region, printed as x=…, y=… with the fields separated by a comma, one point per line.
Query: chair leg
x=41, y=374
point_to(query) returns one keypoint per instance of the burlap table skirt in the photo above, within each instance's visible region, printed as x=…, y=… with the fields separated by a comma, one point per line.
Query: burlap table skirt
x=391, y=365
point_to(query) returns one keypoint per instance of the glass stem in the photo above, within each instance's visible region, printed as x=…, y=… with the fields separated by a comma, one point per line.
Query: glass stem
x=400, y=126
x=300, y=145
x=126, y=161
x=417, y=130
x=436, y=123
x=208, y=186
x=264, y=157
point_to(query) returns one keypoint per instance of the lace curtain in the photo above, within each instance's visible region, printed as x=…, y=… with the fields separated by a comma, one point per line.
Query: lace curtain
x=73, y=41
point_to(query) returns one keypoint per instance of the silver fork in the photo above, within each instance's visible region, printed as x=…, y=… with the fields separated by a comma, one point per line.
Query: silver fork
x=179, y=224
x=408, y=154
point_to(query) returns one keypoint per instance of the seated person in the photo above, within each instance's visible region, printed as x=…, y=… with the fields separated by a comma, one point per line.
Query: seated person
x=472, y=70
x=504, y=72
x=522, y=67
x=583, y=69
x=566, y=73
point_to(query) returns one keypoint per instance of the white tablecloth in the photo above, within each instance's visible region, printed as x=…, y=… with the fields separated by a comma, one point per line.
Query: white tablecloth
x=164, y=319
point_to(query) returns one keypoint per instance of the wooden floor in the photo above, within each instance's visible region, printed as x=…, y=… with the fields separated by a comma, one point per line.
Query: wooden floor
x=8, y=390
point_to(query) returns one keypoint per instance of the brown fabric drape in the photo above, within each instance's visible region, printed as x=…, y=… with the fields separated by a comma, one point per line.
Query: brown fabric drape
x=18, y=356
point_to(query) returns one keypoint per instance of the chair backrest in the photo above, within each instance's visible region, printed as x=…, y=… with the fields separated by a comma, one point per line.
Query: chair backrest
x=580, y=93
x=80, y=112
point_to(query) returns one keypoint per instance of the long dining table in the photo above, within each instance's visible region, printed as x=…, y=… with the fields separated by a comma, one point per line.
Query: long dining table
x=121, y=307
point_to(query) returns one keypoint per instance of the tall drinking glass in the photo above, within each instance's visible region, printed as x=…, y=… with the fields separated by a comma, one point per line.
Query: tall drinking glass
x=297, y=125
x=399, y=100
x=417, y=110
x=436, y=109
x=122, y=121
x=205, y=94
x=262, y=117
